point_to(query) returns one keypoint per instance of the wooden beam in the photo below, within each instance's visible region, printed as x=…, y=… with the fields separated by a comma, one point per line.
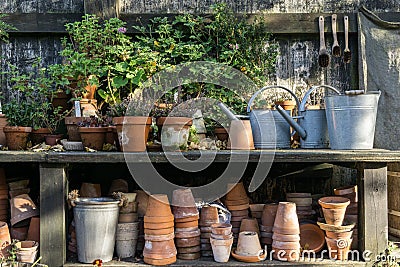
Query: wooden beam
x=104, y=9
x=52, y=214
x=278, y=23
x=373, y=208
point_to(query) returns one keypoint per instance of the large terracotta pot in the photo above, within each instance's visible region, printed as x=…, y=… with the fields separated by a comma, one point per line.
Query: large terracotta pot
x=26, y=251
x=93, y=137
x=133, y=132
x=349, y=192
x=158, y=205
x=334, y=209
x=286, y=221
x=159, y=249
x=17, y=137
x=269, y=213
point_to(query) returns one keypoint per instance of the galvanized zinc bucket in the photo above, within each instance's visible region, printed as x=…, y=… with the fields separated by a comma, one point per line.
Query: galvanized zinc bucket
x=351, y=120
x=96, y=222
x=270, y=129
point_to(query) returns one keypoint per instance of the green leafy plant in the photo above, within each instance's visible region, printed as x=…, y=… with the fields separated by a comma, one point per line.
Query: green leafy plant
x=5, y=28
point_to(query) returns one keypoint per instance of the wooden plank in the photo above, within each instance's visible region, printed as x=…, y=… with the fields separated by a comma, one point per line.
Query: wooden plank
x=22, y=156
x=104, y=9
x=52, y=214
x=373, y=219
x=278, y=23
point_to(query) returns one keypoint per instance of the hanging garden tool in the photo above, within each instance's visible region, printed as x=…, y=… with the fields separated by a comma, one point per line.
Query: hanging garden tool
x=346, y=52
x=323, y=57
x=335, y=47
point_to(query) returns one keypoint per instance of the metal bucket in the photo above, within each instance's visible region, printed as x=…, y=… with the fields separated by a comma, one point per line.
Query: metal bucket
x=351, y=120
x=96, y=222
x=270, y=129
x=313, y=121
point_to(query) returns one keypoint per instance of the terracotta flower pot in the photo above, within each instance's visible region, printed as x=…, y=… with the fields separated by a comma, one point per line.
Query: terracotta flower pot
x=187, y=242
x=174, y=131
x=221, y=133
x=93, y=137
x=236, y=191
x=208, y=216
x=52, y=139
x=248, y=244
x=285, y=238
x=17, y=137
x=312, y=238
x=286, y=221
x=158, y=219
x=38, y=136
x=221, y=249
x=158, y=205
x=349, y=192
x=73, y=129
x=26, y=251
x=159, y=249
x=269, y=213
x=339, y=235
x=338, y=249
x=249, y=225
x=221, y=228
x=334, y=209
x=187, y=234
x=133, y=132
x=5, y=240
x=90, y=190
x=240, y=135
x=183, y=204
x=159, y=262
x=22, y=208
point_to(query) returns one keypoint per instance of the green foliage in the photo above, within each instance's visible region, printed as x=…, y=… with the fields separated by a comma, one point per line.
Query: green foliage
x=4, y=28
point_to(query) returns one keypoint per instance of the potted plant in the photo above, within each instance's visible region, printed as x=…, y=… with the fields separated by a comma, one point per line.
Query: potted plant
x=93, y=132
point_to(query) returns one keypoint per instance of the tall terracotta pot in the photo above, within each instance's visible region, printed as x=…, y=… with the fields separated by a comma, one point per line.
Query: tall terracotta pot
x=133, y=132
x=17, y=137
x=286, y=220
x=240, y=135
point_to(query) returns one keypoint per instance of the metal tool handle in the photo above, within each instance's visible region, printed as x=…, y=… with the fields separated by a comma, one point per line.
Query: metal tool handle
x=302, y=106
x=270, y=87
x=346, y=32
x=321, y=32
x=334, y=30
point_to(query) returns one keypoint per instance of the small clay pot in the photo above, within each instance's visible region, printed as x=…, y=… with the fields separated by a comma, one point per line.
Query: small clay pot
x=286, y=220
x=334, y=209
x=339, y=235
x=221, y=133
x=187, y=224
x=16, y=137
x=188, y=219
x=159, y=249
x=248, y=244
x=165, y=231
x=156, y=226
x=338, y=249
x=208, y=216
x=285, y=238
x=221, y=249
x=187, y=242
x=240, y=135
x=38, y=136
x=249, y=225
x=93, y=137
x=221, y=228
x=183, y=198
x=158, y=205
x=269, y=213
x=158, y=219
x=188, y=234
x=236, y=191
x=349, y=192
x=52, y=139
x=189, y=256
x=312, y=238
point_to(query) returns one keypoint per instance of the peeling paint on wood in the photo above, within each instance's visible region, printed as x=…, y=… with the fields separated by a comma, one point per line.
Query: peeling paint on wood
x=43, y=6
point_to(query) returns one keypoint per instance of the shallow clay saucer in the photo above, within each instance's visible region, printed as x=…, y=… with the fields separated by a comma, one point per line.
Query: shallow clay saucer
x=262, y=257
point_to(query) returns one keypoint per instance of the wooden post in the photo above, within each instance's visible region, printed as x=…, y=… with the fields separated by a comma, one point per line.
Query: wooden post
x=52, y=214
x=373, y=216
x=104, y=9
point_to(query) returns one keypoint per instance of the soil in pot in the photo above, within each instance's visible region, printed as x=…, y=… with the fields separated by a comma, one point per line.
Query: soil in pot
x=17, y=137
x=93, y=137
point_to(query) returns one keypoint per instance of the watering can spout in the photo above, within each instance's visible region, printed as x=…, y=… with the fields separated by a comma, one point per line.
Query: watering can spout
x=300, y=130
x=228, y=113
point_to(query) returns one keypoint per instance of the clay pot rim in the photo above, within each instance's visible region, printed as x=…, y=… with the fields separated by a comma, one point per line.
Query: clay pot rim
x=24, y=129
x=340, y=232
x=141, y=120
x=159, y=226
x=161, y=262
x=93, y=129
x=334, y=202
x=331, y=227
x=238, y=207
x=158, y=219
x=345, y=190
x=286, y=238
x=170, y=120
x=316, y=232
x=158, y=231
x=249, y=259
x=292, y=245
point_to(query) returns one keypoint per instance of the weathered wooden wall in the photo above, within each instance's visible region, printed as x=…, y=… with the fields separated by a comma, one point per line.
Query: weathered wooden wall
x=297, y=66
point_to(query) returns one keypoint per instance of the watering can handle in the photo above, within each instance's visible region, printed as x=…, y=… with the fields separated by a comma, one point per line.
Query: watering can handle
x=302, y=106
x=270, y=87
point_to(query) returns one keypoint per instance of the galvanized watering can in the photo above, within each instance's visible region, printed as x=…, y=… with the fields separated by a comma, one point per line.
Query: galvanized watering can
x=311, y=124
x=270, y=129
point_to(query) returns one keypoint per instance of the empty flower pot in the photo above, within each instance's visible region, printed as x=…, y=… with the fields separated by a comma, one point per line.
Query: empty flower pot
x=240, y=135
x=339, y=234
x=208, y=216
x=158, y=205
x=221, y=249
x=248, y=244
x=286, y=220
x=26, y=251
x=286, y=238
x=221, y=228
x=221, y=236
x=269, y=213
x=312, y=238
x=349, y=192
x=236, y=191
x=249, y=225
x=339, y=248
x=159, y=249
x=334, y=209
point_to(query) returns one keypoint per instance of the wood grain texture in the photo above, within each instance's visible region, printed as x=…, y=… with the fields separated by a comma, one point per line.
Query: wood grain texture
x=52, y=214
x=373, y=219
x=104, y=9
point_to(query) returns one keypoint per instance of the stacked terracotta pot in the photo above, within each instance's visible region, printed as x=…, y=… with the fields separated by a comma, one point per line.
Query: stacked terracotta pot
x=256, y=211
x=286, y=237
x=221, y=241
x=187, y=232
x=127, y=228
x=339, y=242
x=250, y=225
x=351, y=215
x=159, y=248
x=4, y=204
x=208, y=216
x=237, y=202
x=249, y=248
x=141, y=198
x=267, y=223
x=303, y=203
